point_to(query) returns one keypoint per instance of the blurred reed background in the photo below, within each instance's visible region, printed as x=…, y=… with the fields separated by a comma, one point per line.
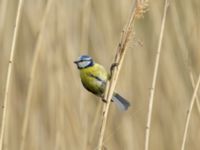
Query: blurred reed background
x=63, y=115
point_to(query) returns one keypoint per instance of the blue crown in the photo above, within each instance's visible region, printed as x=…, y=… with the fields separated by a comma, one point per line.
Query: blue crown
x=83, y=58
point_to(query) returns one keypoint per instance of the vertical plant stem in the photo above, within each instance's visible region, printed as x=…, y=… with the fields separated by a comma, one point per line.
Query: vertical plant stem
x=138, y=11
x=193, y=85
x=32, y=75
x=8, y=78
x=152, y=90
x=189, y=113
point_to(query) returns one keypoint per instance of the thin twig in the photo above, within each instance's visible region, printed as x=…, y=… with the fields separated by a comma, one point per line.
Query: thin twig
x=148, y=125
x=32, y=75
x=13, y=47
x=138, y=11
x=189, y=113
x=193, y=85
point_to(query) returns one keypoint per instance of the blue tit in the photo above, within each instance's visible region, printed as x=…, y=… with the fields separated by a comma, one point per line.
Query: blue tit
x=94, y=76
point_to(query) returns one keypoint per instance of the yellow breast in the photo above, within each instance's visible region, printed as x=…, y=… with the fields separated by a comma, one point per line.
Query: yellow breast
x=94, y=78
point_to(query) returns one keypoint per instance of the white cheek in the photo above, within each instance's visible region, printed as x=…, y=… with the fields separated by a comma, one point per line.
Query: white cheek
x=83, y=64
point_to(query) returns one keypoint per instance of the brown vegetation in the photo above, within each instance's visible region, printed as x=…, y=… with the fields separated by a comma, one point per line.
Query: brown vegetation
x=63, y=115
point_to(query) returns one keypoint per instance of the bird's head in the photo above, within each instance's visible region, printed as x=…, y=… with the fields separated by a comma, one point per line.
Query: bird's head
x=84, y=61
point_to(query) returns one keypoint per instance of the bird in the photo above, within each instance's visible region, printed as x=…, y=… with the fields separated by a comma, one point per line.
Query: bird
x=94, y=77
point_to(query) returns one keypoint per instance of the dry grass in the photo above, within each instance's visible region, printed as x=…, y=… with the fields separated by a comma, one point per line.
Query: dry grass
x=5, y=106
x=65, y=116
x=36, y=54
x=155, y=74
x=137, y=12
x=189, y=114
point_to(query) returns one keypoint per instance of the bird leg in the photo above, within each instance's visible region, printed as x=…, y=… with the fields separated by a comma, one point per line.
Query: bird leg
x=112, y=68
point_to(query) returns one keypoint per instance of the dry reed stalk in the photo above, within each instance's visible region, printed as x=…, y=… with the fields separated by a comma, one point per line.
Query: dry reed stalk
x=8, y=78
x=189, y=113
x=152, y=90
x=183, y=46
x=193, y=85
x=32, y=75
x=137, y=12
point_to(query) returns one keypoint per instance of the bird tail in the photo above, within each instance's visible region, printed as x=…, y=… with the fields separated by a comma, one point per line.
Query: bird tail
x=121, y=102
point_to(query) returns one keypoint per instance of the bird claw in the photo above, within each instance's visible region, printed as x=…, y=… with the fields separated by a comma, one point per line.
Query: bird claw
x=113, y=66
x=104, y=100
